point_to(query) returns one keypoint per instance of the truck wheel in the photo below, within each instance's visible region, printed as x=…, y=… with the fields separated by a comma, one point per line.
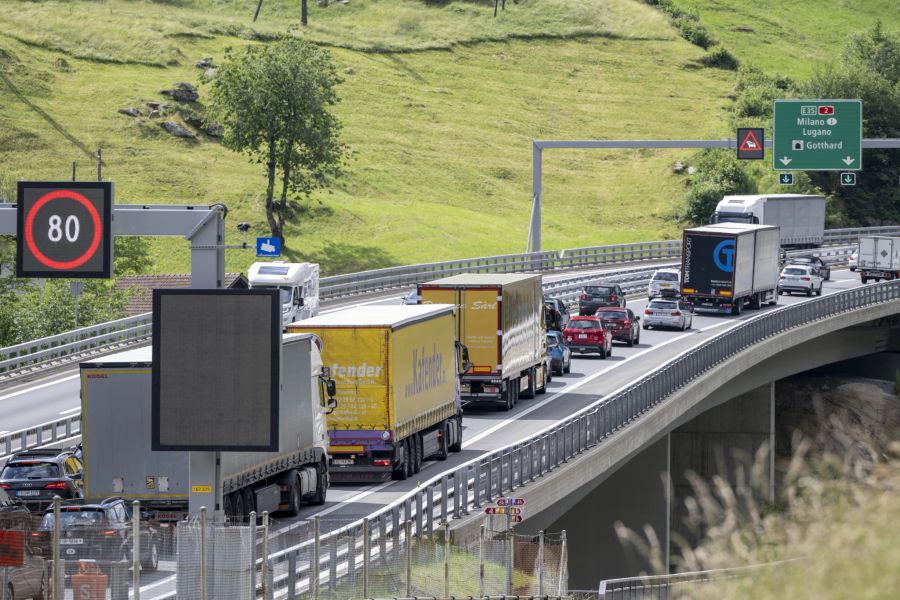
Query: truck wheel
x=318, y=499
x=249, y=502
x=736, y=309
x=444, y=450
x=293, y=495
x=418, y=457
x=401, y=472
x=457, y=445
x=864, y=279
x=547, y=379
x=507, y=396
x=529, y=391
x=228, y=507
x=241, y=513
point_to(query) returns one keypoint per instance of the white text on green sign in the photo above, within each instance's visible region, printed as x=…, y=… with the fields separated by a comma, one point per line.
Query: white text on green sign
x=817, y=135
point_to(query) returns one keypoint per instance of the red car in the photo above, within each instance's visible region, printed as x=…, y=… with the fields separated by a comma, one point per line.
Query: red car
x=587, y=334
x=622, y=324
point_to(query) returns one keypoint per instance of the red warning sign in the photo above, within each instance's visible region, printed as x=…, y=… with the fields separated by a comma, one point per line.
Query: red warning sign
x=751, y=143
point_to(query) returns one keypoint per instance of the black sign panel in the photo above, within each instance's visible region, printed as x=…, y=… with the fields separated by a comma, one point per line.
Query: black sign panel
x=216, y=368
x=64, y=229
x=750, y=143
x=707, y=264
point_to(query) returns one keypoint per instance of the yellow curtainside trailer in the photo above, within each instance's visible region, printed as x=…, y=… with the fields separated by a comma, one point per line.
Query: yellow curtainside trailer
x=500, y=320
x=395, y=369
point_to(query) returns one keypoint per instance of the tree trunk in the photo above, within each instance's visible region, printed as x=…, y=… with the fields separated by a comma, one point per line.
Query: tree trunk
x=285, y=178
x=270, y=190
x=304, y=13
x=496, y=2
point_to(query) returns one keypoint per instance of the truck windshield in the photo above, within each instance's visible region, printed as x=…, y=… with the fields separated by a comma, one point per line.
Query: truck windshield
x=733, y=218
x=284, y=291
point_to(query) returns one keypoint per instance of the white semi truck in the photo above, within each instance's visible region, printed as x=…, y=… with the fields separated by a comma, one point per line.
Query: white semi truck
x=298, y=283
x=801, y=217
x=116, y=402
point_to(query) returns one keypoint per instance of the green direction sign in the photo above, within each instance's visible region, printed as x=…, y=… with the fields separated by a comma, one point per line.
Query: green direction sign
x=817, y=135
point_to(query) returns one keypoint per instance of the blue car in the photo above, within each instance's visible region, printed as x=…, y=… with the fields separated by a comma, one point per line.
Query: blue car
x=560, y=355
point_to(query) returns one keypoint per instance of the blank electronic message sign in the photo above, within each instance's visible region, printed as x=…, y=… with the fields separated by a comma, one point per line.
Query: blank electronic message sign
x=216, y=356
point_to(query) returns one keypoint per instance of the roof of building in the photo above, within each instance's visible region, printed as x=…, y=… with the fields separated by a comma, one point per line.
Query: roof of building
x=140, y=298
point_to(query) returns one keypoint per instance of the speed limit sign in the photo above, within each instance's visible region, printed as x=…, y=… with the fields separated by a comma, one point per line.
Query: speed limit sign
x=64, y=229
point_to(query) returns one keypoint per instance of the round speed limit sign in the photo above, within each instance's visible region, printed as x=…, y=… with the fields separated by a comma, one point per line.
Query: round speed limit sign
x=64, y=229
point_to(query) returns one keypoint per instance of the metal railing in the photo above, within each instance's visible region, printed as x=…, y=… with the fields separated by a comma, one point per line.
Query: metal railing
x=27, y=357
x=468, y=487
x=676, y=585
x=64, y=430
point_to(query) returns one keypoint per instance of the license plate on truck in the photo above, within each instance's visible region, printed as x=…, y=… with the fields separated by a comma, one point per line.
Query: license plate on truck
x=342, y=461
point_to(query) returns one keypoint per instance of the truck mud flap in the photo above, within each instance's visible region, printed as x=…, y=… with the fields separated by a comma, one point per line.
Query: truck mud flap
x=356, y=476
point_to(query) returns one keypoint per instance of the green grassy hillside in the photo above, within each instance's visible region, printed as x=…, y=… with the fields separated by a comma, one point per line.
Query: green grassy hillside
x=440, y=104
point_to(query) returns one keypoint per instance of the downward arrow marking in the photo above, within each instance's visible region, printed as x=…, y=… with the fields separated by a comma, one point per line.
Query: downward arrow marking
x=786, y=161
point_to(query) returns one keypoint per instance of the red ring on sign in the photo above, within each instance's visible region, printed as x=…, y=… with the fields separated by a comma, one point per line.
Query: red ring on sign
x=29, y=233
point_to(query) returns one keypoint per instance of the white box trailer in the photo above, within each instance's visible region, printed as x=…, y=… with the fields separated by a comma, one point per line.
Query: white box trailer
x=801, y=217
x=116, y=401
x=879, y=258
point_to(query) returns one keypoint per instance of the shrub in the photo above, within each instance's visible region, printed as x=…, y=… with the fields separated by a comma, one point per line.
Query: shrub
x=720, y=58
x=694, y=32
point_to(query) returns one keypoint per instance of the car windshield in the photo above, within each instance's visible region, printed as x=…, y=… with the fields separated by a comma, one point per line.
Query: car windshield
x=584, y=324
x=659, y=276
x=663, y=305
x=600, y=290
x=31, y=470
x=611, y=314
x=795, y=271
x=80, y=517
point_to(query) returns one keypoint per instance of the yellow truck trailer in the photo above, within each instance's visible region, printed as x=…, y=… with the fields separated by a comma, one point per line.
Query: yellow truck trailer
x=500, y=320
x=395, y=368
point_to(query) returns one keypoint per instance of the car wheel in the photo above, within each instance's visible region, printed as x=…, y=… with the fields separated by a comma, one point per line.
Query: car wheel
x=637, y=340
x=568, y=366
x=645, y=326
x=602, y=351
x=828, y=275
x=609, y=352
x=809, y=292
x=780, y=292
x=152, y=561
x=852, y=269
x=819, y=291
x=630, y=341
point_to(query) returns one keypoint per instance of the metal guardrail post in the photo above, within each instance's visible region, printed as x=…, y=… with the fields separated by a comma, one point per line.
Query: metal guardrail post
x=366, y=533
x=136, y=549
x=540, y=562
x=317, y=541
x=481, y=535
x=253, y=542
x=292, y=577
x=446, y=560
x=408, y=541
x=444, y=514
x=429, y=504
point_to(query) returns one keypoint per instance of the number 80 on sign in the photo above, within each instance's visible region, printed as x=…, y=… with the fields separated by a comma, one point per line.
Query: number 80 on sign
x=64, y=229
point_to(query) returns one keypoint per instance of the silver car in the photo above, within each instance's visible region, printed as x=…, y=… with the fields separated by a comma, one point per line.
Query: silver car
x=675, y=313
x=664, y=281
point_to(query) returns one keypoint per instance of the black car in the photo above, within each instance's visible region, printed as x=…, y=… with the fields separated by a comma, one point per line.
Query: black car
x=813, y=261
x=101, y=532
x=600, y=296
x=34, y=477
x=556, y=314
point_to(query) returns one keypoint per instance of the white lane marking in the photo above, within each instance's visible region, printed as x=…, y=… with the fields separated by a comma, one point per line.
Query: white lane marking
x=37, y=387
x=585, y=380
x=71, y=410
x=351, y=500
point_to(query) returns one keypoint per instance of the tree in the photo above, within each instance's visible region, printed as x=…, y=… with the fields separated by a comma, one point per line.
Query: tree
x=274, y=102
x=719, y=173
x=869, y=70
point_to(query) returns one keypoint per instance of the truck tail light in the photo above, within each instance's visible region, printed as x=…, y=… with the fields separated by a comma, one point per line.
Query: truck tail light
x=380, y=462
x=60, y=485
x=490, y=389
x=804, y=278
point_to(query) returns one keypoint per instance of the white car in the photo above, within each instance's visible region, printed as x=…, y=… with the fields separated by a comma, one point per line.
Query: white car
x=663, y=282
x=675, y=313
x=853, y=261
x=800, y=278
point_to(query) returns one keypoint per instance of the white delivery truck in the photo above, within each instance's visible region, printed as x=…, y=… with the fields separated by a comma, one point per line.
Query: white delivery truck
x=879, y=258
x=116, y=404
x=801, y=217
x=299, y=285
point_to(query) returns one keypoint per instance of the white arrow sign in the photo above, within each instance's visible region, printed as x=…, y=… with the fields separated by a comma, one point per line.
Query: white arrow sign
x=785, y=161
x=848, y=161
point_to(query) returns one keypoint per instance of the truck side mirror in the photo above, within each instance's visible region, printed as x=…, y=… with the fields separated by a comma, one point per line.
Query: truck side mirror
x=331, y=405
x=330, y=388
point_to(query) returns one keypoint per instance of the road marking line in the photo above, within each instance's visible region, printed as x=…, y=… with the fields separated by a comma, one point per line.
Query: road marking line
x=71, y=410
x=587, y=379
x=351, y=500
x=37, y=387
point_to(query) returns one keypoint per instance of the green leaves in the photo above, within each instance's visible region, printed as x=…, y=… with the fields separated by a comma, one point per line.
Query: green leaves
x=274, y=102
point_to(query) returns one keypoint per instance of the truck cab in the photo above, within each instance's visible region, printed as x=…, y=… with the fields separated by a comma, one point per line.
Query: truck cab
x=739, y=209
x=298, y=283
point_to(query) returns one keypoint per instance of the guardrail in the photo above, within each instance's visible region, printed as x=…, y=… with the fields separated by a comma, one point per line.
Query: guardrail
x=60, y=430
x=454, y=493
x=30, y=356
x=663, y=587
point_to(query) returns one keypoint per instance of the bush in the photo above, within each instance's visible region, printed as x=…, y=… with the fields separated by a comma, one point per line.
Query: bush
x=720, y=58
x=694, y=32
